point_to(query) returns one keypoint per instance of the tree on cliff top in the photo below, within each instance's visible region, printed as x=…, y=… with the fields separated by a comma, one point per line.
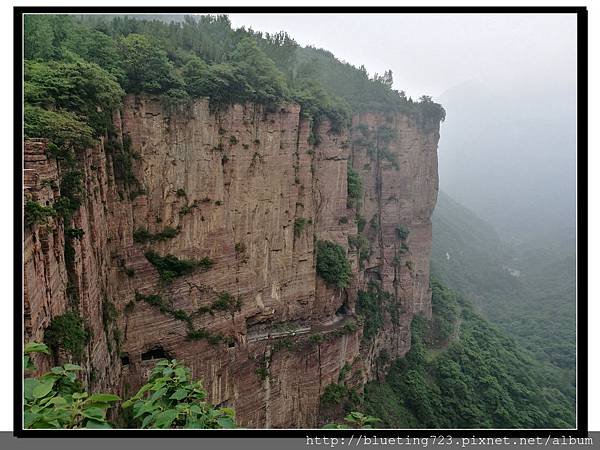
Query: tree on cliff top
x=146, y=66
x=263, y=82
x=241, y=65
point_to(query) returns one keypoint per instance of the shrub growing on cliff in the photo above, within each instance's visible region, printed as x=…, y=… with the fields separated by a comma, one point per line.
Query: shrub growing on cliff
x=226, y=302
x=336, y=394
x=67, y=332
x=332, y=264
x=171, y=399
x=169, y=266
x=361, y=244
x=354, y=187
x=369, y=307
x=402, y=232
x=299, y=225
x=429, y=114
x=141, y=235
x=36, y=214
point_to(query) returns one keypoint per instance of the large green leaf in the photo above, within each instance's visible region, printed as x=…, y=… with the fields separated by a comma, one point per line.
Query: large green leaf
x=145, y=408
x=93, y=413
x=97, y=424
x=30, y=418
x=226, y=422
x=148, y=419
x=158, y=394
x=36, y=347
x=57, y=401
x=43, y=389
x=29, y=385
x=165, y=418
x=179, y=394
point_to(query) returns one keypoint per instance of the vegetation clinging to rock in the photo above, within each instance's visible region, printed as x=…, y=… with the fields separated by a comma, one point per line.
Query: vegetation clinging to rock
x=332, y=264
x=67, y=332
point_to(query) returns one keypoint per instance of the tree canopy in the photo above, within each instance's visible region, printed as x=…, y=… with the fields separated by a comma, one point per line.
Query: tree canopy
x=203, y=56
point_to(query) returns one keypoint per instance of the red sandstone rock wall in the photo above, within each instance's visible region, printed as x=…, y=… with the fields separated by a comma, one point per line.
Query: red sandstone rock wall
x=247, y=175
x=402, y=191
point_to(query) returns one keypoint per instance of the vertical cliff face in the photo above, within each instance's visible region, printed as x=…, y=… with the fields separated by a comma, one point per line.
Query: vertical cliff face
x=248, y=192
x=397, y=162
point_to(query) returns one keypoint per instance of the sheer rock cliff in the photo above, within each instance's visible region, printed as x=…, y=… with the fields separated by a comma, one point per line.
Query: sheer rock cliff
x=253, y=191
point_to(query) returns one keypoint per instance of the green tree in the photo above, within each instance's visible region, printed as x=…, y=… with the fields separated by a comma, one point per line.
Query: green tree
x=196, y=77
x=63, y=128
x=80, y=88
x=38, y=37
x=146, y=66
x=332, y=264
x=262, y=81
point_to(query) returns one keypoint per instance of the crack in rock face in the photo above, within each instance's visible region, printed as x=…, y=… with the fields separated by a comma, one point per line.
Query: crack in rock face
x=225, y=278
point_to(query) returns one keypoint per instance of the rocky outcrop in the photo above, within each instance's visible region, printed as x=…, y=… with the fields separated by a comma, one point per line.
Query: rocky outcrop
x=249, y=191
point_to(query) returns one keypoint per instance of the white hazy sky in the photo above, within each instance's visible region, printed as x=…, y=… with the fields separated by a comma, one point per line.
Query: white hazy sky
x=429, y=53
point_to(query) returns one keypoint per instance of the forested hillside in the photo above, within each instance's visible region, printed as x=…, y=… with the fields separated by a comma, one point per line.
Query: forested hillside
x=528, y=290
x=463, y=372
x=73, y=63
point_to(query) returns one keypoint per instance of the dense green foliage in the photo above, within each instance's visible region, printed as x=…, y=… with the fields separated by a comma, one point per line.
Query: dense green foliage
x=36, y=214
x=361, y=244
x=332, y=264
x=196, y=57
x=536, y=306
x=369, y=307
x=79, y=87
x=60, y=127
x=142, y=236
x=171, y=399
x=170, y=267
x=482, y=379
x=67, y=333
x=299, y=225
x=146, y=66
x=335, y=393
x=445, y=309
x=56, y=400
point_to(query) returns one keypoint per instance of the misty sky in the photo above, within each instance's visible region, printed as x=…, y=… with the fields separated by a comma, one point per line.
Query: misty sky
x=429, y=53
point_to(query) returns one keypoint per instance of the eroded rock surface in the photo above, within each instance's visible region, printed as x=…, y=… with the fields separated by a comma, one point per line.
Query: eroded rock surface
x=234, y=184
